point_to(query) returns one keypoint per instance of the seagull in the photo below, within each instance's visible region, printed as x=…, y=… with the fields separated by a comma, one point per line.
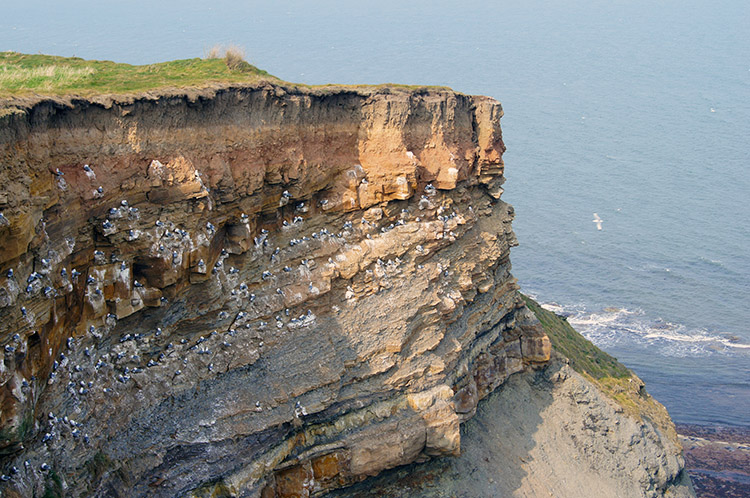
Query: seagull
x=598, y=221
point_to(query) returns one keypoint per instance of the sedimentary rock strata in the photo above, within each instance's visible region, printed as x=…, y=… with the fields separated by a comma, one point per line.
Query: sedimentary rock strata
x=546, y=432
x=250, y=291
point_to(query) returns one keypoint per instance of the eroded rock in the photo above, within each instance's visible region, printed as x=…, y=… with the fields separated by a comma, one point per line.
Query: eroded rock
x=266, y=290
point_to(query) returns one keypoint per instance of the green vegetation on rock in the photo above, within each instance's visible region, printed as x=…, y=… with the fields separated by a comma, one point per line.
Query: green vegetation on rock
x=584, y=357
x=29, y=74
x=612, y=377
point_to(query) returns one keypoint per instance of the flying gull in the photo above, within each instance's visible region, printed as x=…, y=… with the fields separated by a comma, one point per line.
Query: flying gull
x=598, y=221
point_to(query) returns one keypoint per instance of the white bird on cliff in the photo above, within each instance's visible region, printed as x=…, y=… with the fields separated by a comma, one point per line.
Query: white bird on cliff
x=598, y=221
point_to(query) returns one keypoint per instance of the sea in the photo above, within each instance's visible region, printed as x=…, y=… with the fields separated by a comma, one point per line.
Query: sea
x=636, y=110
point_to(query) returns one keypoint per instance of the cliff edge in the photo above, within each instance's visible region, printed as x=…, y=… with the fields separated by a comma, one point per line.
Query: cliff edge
x=250, y=290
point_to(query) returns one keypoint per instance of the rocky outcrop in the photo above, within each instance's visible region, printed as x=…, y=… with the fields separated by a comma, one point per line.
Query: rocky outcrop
x=250, y=291
x=717, y=459
x=548, y=432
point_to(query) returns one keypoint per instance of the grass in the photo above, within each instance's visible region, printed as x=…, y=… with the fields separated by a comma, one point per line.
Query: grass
x=233, y=55
x=612, y=377
x=583, y=355
x=29, y=74
x=24, y=75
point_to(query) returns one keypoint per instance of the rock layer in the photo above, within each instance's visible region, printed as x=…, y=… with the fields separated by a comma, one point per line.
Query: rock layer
x=548, y=432
x=250, y=291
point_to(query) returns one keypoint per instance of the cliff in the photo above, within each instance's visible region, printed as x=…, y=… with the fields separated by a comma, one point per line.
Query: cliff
x=251, y=290
x=547, y=432
x=578, y=427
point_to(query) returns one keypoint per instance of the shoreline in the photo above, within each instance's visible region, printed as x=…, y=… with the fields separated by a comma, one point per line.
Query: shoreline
x=717, y=458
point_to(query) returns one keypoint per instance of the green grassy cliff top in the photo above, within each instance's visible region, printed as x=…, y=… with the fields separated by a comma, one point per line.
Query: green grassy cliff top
x=37, y=75
x=25, y=74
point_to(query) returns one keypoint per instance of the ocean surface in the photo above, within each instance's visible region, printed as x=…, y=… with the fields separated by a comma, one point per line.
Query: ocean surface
x=636, y=110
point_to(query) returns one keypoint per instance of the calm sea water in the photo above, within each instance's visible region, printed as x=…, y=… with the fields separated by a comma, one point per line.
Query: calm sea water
x=636, y=110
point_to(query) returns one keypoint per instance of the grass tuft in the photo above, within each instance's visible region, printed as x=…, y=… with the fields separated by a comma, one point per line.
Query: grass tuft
x=53, y=488
x=234, y=56
x=212, y=52
x=98, y=465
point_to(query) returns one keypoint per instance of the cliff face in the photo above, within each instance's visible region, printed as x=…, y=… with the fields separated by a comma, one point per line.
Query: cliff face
x=250, y=291
x=546, y=432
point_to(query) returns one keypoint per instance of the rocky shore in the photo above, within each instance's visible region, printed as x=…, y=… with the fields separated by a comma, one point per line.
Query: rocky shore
x=717, y=459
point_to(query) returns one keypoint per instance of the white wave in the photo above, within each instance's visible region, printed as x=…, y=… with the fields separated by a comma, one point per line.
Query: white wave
x=553, y=307
x=613, y=325
x=680, y=334
x=604, y=318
